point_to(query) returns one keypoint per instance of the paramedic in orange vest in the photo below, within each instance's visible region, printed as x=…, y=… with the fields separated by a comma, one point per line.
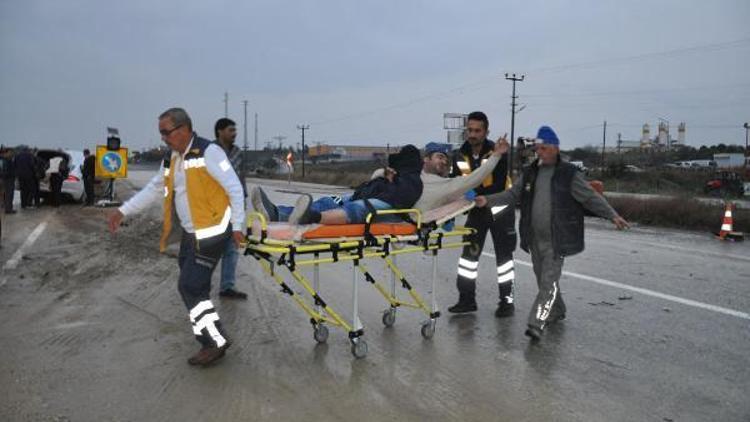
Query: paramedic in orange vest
x=200, y=188
x=474, y=151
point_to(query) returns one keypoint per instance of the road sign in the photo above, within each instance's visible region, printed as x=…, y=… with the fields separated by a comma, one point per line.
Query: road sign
x=111, y=164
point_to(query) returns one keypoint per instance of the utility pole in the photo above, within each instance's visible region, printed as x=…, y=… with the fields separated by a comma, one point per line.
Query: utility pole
x=244, y=146
x=604, y=143
x=303, y=128
x=747, y=154
x=619, y=142
x=256, y=131
x=226, y=104
x=280, y=139
x=512, y=120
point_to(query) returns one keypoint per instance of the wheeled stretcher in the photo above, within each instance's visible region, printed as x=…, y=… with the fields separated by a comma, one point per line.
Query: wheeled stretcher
x=291, y=247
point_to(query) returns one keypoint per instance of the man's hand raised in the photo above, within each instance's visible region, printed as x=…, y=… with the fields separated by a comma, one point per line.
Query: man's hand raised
x=501, y=145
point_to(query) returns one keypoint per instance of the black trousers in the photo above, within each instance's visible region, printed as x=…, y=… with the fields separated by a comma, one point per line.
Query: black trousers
x=29, y=191
x=197, y=264
x=88, y=187
x=503, y=233
x=9, y=186
x=55, y=187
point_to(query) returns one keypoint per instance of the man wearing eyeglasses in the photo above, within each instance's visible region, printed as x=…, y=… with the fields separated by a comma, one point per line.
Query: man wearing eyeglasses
x=199, y=186
x=477, y=149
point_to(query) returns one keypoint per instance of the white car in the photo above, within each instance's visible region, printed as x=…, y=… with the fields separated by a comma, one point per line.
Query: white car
x=72, y=186
x=633, y=169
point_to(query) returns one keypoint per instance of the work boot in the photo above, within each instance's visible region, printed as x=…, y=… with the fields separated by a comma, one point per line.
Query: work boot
x=534, y=333
x=504, y=309
x=463, y=306
x=233, y=294
x=209, y=354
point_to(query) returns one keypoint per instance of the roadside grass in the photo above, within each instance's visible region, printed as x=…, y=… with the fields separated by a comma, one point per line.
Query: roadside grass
x=348, y=174
x=684, y=213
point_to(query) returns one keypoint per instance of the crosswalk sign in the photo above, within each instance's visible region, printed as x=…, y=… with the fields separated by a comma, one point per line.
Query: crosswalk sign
x=111, y=164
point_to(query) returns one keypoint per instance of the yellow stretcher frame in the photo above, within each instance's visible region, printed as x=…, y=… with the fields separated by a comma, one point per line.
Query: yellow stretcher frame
x=272, y=252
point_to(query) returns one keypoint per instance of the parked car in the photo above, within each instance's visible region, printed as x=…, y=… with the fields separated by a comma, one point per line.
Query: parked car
x=72, y=187
x=633, y=169
x=580, y=166
x=725, y=183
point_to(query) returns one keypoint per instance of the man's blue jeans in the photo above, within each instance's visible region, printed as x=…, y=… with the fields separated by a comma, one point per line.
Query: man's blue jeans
x=229, y=265
x=356, y=211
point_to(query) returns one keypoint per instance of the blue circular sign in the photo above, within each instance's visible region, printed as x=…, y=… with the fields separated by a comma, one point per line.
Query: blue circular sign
x=112, y=162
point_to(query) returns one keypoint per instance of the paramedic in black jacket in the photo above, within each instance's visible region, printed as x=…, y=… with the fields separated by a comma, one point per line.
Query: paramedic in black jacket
x=476, y=149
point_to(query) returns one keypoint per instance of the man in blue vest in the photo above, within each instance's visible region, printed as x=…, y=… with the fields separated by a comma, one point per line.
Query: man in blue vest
x=553, y=195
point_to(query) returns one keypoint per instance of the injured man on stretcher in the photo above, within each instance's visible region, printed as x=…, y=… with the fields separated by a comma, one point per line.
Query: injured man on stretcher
x=409, y=181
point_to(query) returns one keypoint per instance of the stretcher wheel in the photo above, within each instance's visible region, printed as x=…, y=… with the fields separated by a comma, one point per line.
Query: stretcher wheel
x=320, y=333
x=389, y=317
x=359, y=348
x=428, y=329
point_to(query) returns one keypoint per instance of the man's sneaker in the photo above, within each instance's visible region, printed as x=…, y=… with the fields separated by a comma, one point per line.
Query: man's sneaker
x=504, y=309
x=263, y=205
x=301, y=210
x=209, y=354
x=535, y=333
x=233, y=294
x=463, y=307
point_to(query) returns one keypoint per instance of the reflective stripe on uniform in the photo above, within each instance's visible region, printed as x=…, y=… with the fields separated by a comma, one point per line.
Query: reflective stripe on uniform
x=506, y=277
x=217, y=229
x=471, y=275
x=470, y=265
x=225, y=166
x=498, y=209
x=194, y=163
x=505, y=267
x=506, y=272
x=200, y=308
x=468, y=269
x=542, y=312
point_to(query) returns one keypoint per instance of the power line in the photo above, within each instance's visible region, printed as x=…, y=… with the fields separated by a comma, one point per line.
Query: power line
x=645, y=56
x=591, y=64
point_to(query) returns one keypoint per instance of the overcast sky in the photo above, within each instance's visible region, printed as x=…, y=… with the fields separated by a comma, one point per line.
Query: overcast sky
x=372, y=72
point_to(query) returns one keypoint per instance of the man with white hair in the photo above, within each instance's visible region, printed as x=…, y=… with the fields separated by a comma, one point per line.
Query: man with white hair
x=199, y=186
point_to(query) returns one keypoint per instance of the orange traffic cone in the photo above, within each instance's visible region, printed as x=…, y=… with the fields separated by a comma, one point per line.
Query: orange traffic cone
x=727, y=230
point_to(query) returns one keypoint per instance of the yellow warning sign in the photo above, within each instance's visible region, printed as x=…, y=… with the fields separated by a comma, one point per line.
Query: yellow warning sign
x=111, y=164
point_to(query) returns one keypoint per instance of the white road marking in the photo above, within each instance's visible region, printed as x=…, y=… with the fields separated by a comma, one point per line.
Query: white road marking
x=647, y=292
x=12, y=263
x=718, y=254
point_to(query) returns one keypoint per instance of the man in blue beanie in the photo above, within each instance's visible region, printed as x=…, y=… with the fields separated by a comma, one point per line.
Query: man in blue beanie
x=553, y=195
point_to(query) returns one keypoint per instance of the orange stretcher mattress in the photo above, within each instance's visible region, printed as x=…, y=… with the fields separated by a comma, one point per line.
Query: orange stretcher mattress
x=351, y=230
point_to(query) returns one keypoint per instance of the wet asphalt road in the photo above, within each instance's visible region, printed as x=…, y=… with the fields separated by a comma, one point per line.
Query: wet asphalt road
x=93, y=330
